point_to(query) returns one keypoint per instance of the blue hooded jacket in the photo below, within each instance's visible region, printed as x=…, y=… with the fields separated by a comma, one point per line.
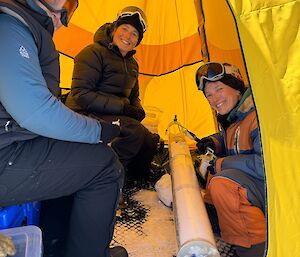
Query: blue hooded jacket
x=29, y=81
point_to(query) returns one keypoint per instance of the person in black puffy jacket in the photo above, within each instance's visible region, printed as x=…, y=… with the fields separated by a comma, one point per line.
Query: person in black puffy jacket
x=105, y=86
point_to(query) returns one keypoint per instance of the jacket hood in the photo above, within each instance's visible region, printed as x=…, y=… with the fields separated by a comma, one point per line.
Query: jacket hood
x=104, y=37
x=244, y=106
x=104, y=34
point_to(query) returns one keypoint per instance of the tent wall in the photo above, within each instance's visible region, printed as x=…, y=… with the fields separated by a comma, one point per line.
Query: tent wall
x=218, y=31
x=268, y=32
x=270, y=37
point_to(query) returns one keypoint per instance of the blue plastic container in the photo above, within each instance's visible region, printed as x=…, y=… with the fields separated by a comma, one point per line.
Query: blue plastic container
x=18, y=215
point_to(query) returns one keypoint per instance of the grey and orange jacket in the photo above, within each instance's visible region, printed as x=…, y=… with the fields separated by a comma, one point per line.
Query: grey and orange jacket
x=239, y=146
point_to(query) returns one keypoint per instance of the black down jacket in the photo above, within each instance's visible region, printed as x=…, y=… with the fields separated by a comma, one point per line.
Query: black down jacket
x=104, y=80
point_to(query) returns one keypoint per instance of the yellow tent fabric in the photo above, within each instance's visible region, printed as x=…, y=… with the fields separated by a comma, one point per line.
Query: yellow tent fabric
x=259, y=36
x=168, y=57
x=270, y=37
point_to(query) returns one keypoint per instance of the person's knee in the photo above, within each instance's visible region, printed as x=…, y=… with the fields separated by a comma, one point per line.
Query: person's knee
x=254, y=188
x=108, y=165
x=220, y=188
x=224, y=194
x=134, y=132
x=241, y=223
x=150, y=144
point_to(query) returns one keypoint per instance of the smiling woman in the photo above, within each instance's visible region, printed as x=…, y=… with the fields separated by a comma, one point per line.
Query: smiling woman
x=235, y=179
x=105, y=86
x=222, y=84
x=222, y=98
x=125, y=37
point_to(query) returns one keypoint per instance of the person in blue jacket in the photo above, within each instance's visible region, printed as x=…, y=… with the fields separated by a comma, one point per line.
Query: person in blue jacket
x=47, y=150
x=236, y=178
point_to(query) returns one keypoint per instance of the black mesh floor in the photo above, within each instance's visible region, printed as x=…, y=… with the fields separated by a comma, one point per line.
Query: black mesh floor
x=145, y=227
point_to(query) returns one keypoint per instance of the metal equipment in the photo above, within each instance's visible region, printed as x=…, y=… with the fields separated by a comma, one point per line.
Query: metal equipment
x=193, y=230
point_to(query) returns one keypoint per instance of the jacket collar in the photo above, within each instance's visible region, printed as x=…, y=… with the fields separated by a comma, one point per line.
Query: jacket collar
x=35, y=12
x=244, y=106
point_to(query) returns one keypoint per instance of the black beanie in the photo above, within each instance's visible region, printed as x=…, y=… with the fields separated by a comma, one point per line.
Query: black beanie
x=133, y=20
x=234, y=83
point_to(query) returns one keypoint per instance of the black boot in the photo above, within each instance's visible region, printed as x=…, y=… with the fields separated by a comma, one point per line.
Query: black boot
x=118, y=251
x=254, y=251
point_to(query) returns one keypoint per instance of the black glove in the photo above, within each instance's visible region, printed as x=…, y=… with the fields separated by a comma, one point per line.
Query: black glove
x=211, y=167
x=134, y=112
x=203, y=143
x=108, y=132
x=125, y=131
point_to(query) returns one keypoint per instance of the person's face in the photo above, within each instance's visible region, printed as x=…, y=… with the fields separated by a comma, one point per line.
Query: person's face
x=55, y=16
x=221, y=97
x=125, y=37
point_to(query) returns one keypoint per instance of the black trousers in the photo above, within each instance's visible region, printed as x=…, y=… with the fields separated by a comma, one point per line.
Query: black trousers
x=135, y=147
x=44, y=168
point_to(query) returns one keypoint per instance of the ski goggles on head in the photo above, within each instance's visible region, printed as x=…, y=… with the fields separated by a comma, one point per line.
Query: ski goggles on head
x=66, y=12
x=211, y=71
x=215, y=71
x=141, y=19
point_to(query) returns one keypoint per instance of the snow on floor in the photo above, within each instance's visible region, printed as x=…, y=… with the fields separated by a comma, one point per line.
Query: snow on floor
x=146, y=228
